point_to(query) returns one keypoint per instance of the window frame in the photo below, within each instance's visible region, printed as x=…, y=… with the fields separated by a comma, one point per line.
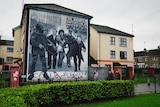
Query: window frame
x=123, y=55
x=9, y=59
x=123, y=42
x=112, y=54
x=112, y=40
x=9, y=49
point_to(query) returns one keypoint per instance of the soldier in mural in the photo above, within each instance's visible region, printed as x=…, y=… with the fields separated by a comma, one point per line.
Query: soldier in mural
x=52, y=50
x=38, y=42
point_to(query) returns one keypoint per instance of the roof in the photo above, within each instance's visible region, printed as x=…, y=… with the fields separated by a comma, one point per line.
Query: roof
x=154, y=52
x=109, y=30
x=56, y=8
x=15, y=28
x=7, y=42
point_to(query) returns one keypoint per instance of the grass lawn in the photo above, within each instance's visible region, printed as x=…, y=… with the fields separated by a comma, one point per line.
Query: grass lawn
x=144, y=80
x=146, y=100
x=139, y=79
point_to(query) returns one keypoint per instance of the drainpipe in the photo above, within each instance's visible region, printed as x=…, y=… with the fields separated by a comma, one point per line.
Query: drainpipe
x=99, y=49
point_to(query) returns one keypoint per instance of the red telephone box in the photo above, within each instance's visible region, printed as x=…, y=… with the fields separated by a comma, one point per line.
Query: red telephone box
x=151, y=72
x=14, y=80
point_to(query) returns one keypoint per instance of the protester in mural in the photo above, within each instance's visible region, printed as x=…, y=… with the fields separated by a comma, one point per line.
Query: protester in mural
x=38, y=42
x=52, y=49
x=60, y=47
x=81, y=47
x=70, y=41
x=75, y=46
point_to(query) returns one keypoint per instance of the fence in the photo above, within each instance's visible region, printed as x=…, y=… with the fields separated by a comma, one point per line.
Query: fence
x=5, y=79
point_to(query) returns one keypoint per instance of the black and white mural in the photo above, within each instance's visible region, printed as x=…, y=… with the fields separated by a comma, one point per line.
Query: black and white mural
x=57, y=47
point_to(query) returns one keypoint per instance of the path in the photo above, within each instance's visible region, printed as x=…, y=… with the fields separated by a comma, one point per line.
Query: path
x=145, y=88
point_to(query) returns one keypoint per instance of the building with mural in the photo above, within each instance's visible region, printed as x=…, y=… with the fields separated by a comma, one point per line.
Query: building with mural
x=6, y=54
x=53, y=43
x=113, y=49
x=59, y=44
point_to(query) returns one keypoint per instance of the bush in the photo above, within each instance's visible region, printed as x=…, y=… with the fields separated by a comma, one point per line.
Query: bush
x=64, y=92
x=117, y=88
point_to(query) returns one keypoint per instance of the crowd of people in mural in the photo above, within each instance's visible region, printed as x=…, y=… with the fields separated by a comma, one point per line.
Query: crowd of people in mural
x=54, y=43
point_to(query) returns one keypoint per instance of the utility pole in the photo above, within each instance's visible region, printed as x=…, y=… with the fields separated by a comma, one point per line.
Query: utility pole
x=132, y=30
x=0, y=35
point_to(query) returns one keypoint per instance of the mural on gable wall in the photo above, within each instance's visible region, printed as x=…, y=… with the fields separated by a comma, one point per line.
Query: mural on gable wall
x=57, y=47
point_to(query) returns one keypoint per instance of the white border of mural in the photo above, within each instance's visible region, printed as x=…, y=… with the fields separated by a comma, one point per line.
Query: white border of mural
x=63, y=59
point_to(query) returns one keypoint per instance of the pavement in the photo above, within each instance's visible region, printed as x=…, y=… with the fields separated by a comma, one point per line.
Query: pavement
x=145, y=88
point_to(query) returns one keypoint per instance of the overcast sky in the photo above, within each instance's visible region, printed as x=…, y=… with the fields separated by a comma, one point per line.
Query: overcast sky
x=138, y=17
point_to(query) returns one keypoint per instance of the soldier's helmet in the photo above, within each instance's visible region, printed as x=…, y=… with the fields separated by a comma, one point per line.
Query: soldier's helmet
x=39, y=27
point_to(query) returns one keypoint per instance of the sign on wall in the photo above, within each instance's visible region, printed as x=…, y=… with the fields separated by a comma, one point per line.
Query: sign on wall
x=57, y=47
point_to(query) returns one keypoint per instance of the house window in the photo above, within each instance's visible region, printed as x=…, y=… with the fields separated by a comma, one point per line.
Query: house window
x=112, y=40
x=146, y=59
x=9, y=59
x=123, y=42
x=154, y=58
x=155, y=66
x=9, y=49
x=112, y=54
x=146, y=65
x=140, y=59
x=123, y=55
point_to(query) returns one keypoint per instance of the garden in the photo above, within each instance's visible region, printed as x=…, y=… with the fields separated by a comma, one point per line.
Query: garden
x=102, y=93
x=65, y=93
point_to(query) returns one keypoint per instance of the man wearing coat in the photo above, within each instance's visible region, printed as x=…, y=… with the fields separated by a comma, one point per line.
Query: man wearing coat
x=74, y=49
x=52, y=51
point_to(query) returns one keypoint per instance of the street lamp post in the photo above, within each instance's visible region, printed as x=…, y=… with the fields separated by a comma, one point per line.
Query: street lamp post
x=2, y=60
x=148, y=54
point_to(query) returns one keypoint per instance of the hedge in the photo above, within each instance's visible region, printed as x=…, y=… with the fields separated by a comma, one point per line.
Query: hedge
x=64, y=92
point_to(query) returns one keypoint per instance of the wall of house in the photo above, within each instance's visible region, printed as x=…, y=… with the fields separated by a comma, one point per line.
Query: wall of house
x=4, y=54
x=17, y=44
x=147, y=61
x=106, y=47
x=101, y=51
x=94, y=43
